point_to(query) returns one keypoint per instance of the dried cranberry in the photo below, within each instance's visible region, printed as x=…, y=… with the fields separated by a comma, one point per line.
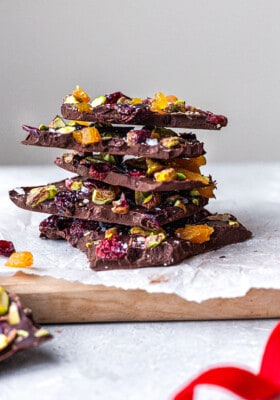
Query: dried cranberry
x=65, y=201
x=216, y=119
x=136, y=174
x=54, y=222
x=110, y=249
x=137, y=136
x=112, y=98
x=99, y=171
x=78, y=228
x=6, y=248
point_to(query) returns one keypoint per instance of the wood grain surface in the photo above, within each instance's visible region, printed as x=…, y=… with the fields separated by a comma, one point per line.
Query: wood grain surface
x=58, y=301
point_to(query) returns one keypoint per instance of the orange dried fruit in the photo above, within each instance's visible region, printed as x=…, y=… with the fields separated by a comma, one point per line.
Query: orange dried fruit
x=80, y=94
x=20, y=259
x=192, y=164
x=87, y=135
x=171, y=98
x=207, y=192
x=83, y=107
x=159, y=102
x=136, y=100
x=195, y=233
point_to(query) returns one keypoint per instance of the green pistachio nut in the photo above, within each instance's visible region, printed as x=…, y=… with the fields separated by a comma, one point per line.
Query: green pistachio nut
x=100, y=196
x=98, y=101
x=4, y=301
x=154, y=240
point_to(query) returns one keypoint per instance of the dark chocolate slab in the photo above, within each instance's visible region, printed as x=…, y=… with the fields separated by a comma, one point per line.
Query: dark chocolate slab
x=120, y=174
x=78, y=204
x=129, y=251
x=18, y=328
x=142, y=115
x=189, y=146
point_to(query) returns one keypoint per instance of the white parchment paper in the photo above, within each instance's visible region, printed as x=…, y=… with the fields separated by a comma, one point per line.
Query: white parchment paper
x=250, y=192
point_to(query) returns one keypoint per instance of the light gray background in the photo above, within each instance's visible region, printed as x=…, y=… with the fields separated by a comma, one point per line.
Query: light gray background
x=219, y=55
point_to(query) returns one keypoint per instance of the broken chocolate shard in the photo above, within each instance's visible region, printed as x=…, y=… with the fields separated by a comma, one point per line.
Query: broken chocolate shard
x=114, y=141
x=130, y=248
x=141, y=114
x=18, y=330
x=131, y=173
x=89, y=199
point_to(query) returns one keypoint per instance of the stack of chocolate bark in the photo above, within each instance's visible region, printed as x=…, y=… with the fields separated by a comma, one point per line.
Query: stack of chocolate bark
x=138, y=199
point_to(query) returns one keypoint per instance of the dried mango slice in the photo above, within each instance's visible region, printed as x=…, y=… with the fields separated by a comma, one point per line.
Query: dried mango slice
x=80, y=94
x=191, y=164
x=195, y=233
x=20, y=259
x=87, y=135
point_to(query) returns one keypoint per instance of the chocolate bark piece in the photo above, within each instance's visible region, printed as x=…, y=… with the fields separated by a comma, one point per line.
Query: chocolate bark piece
x=140, y=114
x=121, y=173
x=18, y=330
x=127, y=249
x=94, y=200
x=188, y=146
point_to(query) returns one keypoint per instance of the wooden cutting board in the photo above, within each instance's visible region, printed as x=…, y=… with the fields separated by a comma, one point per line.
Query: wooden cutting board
x=59, y=301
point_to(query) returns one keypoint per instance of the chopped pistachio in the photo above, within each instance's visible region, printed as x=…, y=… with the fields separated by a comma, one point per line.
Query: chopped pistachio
x=181, y=176
x=4, y=341
x=43, y=127
x=57, y=122
x=38, y=195
x=76, y=185
x=4, y=301
x=98, y=101
x=41, y=332
x=154, y=240
x=22, y=333
x=66, y=129
x=166, y=175
x=100, y=196
x=170, y=142
x=13, y=316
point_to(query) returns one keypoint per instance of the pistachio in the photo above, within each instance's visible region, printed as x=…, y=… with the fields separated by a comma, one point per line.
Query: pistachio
x=101, y=196
x=233, y=223
x=166, y=175
x=147, y=199
x=13, y=316
x=43, y=127
x=4, y=301
x=22, y=333
x=108, y=158
x=70, y=99
x=38, y=195
x=170, y=142
x=160, y=132
x=4, y=341
x=66, y=129
x=76, y=185
x=111, y=232
x=136, y=230
x=195, y=202
x=181, y=176
x=154, y=240
x=41, y=332
x=98, y=101
x=153, y=166
x=194, y=192
x=120, y=206
x=57, y=122
x=180, y=204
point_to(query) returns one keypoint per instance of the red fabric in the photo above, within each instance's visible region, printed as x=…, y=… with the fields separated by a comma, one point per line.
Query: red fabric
x=262, y=386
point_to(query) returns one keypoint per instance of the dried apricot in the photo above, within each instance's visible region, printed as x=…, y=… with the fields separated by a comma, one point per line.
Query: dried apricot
x=87, y=136
x=159, y=102
x=195, y=233
x=20, y=259
x=192, y=164
x=207, y=192
x=80, y=94
x=171, y=98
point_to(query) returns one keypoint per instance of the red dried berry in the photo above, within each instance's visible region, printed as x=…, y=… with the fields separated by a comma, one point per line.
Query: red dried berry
x=110, y=248
x=6, y=248
x=216, y=119
x=99, y=171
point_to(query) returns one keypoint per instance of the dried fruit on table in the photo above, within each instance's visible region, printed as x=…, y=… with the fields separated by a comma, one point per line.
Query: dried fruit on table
x=195, y=233
x=87, y=135
x=20, y=259
x=6, y=248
